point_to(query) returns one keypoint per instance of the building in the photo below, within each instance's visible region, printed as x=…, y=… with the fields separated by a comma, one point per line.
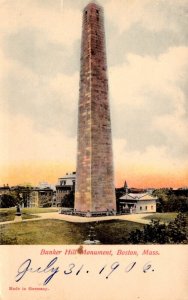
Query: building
x=65, y=185
x=95, y=191
x=22, y=193
x=40, y=197
x=45, y=197
x=33, y=198
x=5, y=189
x=30, y=196
x=54, y=204
x=137, y=203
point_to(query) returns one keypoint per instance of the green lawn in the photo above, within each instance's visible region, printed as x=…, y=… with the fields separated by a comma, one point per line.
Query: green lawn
x=8, y=214
x=28, y=216
x=38, y=210
x=57, y=232
x=163, y=217
x=115, y=231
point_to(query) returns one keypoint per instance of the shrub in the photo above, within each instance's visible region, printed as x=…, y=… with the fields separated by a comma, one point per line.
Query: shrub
x=160, y=233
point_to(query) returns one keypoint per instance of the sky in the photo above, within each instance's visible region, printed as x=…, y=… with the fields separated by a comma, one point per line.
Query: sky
x=147, y=55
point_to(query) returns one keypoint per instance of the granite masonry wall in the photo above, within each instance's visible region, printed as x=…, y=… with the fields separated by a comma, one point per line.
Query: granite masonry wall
x=95, y=190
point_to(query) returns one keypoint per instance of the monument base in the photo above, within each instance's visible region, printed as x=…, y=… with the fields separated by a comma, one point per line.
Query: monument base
x=18, y=218
x=18, y=214
x=88, y=214
x=89, y=242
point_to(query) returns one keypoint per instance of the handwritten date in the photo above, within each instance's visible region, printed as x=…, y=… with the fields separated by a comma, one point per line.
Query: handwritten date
x=51, y=269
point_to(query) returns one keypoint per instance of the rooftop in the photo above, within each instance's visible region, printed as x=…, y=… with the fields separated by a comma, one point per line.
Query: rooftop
x=138, y=196
x=92, y=4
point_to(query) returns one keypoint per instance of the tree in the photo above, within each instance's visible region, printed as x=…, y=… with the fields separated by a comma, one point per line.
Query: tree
x=169, y=201
x=68, y=200
x=160, y=233
x=8, y=200
x=177, y=229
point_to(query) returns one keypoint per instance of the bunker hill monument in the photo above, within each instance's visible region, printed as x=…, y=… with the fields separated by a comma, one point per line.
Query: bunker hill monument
x=95, y=192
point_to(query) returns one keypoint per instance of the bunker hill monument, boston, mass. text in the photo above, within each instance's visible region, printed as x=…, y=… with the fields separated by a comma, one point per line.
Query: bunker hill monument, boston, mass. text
x=95, y=192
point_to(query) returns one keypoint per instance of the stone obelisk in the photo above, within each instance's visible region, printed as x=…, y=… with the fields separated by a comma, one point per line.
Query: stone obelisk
x=95, y=190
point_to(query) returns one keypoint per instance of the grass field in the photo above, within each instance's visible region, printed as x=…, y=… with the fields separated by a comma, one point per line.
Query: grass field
x=163, y=217
x=8, y=214
x=57, y=232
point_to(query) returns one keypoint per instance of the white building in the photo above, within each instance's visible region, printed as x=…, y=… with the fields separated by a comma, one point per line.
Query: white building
x=137, y=203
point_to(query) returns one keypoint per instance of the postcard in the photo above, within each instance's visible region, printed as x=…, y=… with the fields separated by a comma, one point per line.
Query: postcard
x=93, y=155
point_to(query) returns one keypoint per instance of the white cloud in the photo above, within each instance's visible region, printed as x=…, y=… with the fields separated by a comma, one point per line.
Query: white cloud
x=67, y=86
x=153, y=15
x=149, y=106
x=153, y=167
x=139, y=74
x=22, y=143
x=61, y=26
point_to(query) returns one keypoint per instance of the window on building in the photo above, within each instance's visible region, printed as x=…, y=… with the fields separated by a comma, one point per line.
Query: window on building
x=146, y=207
x=85, y=16
x=97, y=14
x=152, y=207
x=140, y=207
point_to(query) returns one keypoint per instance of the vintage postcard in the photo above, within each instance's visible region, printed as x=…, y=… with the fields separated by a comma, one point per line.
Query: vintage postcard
x=93, y=154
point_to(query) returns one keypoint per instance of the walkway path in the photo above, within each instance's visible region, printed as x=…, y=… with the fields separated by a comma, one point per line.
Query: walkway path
x=138, y=218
